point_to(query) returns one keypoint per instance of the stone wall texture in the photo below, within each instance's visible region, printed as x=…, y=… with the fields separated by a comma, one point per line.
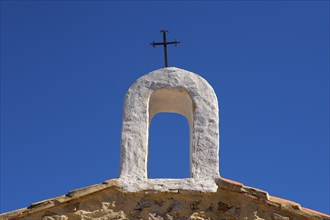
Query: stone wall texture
x=108, y=201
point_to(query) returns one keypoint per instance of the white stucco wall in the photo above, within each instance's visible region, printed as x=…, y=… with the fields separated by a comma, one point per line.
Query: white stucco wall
x=170, y=90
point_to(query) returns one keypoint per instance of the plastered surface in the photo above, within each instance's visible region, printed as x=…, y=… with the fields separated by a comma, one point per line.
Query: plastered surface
x=170, y=90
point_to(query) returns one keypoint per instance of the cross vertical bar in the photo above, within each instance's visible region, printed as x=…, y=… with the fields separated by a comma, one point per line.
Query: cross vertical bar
x=165, y=47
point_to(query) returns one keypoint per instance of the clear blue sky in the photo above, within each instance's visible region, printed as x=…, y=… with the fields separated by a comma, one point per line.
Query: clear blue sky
x=66, y=65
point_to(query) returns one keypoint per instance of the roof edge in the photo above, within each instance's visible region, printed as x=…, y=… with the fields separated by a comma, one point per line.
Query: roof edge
x=223, y=184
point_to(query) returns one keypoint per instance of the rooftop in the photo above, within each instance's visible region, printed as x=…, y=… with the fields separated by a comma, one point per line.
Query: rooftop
x=236, y=189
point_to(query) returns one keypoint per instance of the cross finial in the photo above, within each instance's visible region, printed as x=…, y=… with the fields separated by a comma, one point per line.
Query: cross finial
x=165, y=43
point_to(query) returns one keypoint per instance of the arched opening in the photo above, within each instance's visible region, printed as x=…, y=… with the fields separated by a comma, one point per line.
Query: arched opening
x=168, y=155
x=169, y=135
x=170, y=90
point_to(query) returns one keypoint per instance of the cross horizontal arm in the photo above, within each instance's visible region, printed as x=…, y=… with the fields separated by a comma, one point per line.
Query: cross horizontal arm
x=157, y=43
x=173, y=42
x=164, y=43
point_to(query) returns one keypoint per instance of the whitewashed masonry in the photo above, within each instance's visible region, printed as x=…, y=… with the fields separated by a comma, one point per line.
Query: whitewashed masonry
x=170, y=90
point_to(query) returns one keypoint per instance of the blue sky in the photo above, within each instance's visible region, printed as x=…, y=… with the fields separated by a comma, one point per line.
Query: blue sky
x=66, y=65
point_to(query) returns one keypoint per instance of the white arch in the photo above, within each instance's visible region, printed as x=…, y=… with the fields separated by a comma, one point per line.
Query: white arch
x=170, y=90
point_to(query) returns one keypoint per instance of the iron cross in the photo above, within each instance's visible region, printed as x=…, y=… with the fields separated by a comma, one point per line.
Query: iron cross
x=165, y=43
